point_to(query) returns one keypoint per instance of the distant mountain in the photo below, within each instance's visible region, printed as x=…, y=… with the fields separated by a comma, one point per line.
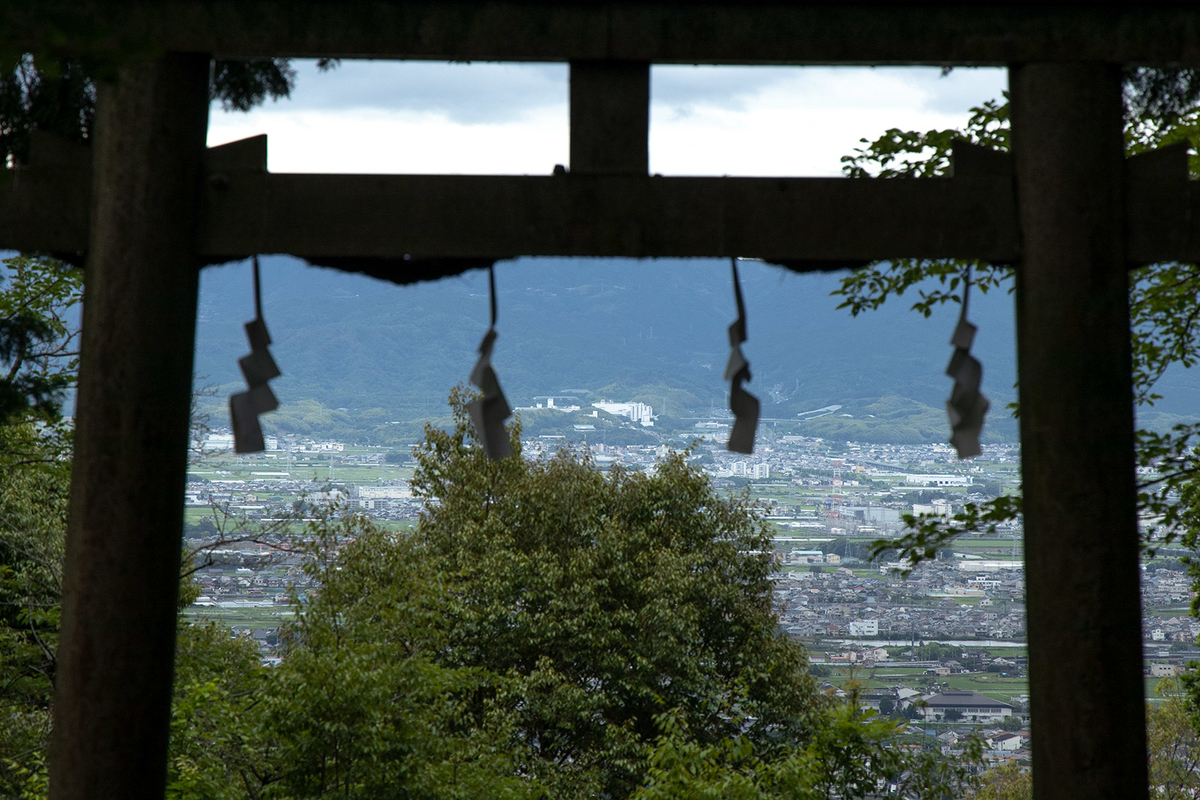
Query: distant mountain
x=653, y=331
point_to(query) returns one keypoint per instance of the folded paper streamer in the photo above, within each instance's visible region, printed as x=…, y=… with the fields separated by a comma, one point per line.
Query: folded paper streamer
x=257, y=368
x=743, y=404
x=967, y=405
x=489, y=411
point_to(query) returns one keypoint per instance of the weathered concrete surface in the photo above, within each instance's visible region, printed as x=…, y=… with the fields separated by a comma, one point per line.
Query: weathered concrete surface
x=701, y=32
x=121, y=582
x=1077, y=448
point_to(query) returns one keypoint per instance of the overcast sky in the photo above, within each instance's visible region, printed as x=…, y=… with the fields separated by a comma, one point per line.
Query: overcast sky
x=427, y=117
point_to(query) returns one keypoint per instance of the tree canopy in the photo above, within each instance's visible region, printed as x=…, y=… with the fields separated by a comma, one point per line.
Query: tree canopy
x=547, y=630
x=1161, y=110
x=604, y=600
x=57, y=94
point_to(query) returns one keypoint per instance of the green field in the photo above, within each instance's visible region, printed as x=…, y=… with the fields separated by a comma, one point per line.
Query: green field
x=990, y=685
x=264, y=617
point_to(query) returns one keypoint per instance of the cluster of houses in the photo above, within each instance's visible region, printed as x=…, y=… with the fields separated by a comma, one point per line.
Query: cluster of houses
x=928, y=605
x=950, y=716
x=948, y=705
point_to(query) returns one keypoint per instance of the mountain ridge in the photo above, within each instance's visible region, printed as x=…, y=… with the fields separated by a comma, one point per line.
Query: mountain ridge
x=652, y=331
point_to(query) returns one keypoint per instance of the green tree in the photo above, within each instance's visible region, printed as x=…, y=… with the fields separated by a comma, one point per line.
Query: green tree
x=37, y=362
x=935, y=651
x=38, y=338
x=850, y=755
x=603, y=601
x=1006, y=782
x=57, y=94
x=1011, y=723
x=1162, y=111
x=1171, y=741
x=214, y=751
x=33, y=503
x=1173, y=744
x=359, y=707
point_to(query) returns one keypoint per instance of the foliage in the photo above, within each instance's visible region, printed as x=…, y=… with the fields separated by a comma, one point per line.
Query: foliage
x=603, y=600
x=1160, y=94
x=1011, y=723
x=58, y=94
x=853, y=754
x=936, y=651
x=38, y=340
x=1172, y=745
x=242, y=85
x=58, y=98
x=929, y=533
x=1171, y=738
x=358, y=707
x=1165, y=327
x=526, y=639
x=1005, y=782
x=37, y=353
x=218, y=681
x=33, y=503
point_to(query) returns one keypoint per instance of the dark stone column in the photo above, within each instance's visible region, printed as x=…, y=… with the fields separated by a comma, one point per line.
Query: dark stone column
x=121, y=583
x=610, y=117
x=1077, y=447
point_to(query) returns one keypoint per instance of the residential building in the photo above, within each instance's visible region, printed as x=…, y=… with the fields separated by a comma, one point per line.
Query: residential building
x=864, y=627
x=973, y=706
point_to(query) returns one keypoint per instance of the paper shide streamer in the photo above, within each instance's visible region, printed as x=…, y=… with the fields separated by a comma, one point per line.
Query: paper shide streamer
x=489, y=411
x=257, y=368
x=967, y=405
x=737, y=370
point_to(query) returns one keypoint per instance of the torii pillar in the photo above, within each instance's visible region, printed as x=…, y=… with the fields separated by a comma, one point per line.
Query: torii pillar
x=115, y=657
x=1077, y=447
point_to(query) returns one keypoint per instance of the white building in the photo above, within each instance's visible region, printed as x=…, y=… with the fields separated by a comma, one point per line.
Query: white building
x=219, y=442
x=1165, y=670
x=383, y=492
x=864, y=627
x=1005, y=741
x=547, y=402
x=744, y=469
x=972, y=706
x=938, y=480
x=938, y=508
x=637, y=412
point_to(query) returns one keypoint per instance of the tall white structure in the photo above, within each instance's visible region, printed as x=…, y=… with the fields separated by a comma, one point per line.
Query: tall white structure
x=938, y=480
x=637, y=412
x=383, y=492
x=864, y=627
x=744, y=469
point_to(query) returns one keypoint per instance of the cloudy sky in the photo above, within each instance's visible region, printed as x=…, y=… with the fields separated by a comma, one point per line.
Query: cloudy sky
x=425, y=117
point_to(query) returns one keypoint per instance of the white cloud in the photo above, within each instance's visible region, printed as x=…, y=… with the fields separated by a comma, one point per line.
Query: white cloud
x=419, y=117
x=463, y=93
x=401, y=142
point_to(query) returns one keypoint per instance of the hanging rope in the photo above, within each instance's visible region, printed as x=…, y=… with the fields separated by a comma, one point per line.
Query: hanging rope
x=967, y=405
x=257, y=368
x=489, y=411
x=744, y=405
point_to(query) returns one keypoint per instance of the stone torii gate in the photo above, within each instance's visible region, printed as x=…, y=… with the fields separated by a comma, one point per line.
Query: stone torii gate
x=148, y=206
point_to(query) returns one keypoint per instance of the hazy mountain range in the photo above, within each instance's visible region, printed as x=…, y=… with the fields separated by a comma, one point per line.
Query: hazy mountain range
x=622, y=330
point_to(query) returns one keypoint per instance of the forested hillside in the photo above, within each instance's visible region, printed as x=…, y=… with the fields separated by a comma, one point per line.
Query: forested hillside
x=653, y=331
